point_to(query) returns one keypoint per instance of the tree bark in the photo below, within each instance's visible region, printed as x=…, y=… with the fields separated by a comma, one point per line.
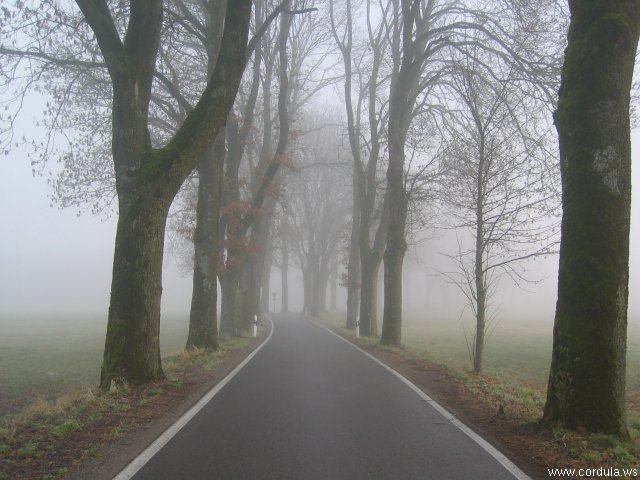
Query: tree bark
x=353, y=266
x=230, y=308
x=132, y=346
x=265, y=288
x=203, y=316
x=369, y=297
x=284, y=279
x=587, y=377
x=397, y=198
x=333, y=281
x=396, y=244
x=255, y=263
x=479, y=273
x=203, y=319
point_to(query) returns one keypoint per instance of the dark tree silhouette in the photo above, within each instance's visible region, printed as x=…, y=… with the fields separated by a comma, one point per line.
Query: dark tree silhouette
x=587, y=378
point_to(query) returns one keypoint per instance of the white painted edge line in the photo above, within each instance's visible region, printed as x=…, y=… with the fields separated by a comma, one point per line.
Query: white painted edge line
x=140, y=461
x=486, y=446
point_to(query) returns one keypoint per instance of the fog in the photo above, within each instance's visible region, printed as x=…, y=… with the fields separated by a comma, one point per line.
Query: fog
x=55, y=262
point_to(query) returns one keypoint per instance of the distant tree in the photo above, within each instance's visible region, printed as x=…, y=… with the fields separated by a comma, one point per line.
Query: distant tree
x=317, y=200
x=309, y=73
x=281, y=237
x=587, y=377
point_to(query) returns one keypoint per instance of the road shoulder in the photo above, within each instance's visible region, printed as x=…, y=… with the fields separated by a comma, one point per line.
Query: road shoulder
x=150, y=420
x=529, y=447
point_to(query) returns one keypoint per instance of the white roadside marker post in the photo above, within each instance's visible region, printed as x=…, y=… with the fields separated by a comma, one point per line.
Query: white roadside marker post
x=255, y=326
x=358, y=326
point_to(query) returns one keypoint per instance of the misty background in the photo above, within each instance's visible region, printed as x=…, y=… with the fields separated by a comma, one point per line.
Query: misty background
x=57, y=263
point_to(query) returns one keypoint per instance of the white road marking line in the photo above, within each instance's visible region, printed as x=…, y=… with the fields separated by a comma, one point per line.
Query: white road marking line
x=140, y=461
x=486, y=446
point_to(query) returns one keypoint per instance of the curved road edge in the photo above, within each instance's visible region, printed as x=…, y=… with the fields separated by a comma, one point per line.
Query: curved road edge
x=137, y=463
x=485, y=445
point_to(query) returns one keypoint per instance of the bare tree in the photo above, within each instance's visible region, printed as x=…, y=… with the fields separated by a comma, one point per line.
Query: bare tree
x=425, y=36
x=502, y=188
x=366, y=139
x=317, y=201
x=309, y=73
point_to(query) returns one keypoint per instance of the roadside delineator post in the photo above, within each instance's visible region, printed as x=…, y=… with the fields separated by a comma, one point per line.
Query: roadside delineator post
x=358, y=326
x=255, y=326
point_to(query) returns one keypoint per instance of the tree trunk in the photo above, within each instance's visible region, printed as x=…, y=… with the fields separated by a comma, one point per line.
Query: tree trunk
x=353, y=267
x=265, y=295
x=396, y=241
x=481, y=290
x=369, y=297
x=307, y=283
x=203, y=319
x=587, y=377
x=481, y=305
x=407, y=65
x=392, y=316
x=284, y=306
x=255, y=263
x=230, y=308
x=132, y=346
x=320, y=290
x=333, y=302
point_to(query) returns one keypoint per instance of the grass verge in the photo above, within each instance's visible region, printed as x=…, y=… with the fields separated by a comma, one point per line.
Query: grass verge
x=46, y=439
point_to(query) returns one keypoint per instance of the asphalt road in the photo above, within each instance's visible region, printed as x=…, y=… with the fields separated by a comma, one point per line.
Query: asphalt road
x=310, y=406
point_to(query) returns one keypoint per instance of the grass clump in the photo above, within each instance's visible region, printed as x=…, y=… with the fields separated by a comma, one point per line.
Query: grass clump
x=68, y=426
x=29, y=449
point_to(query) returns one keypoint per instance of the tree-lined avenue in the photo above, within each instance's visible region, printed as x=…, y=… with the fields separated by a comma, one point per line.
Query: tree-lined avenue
x=309, y=406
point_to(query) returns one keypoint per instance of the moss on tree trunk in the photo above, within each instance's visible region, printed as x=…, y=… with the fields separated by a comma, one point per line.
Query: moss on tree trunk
x=587, y=377
x=132, y=346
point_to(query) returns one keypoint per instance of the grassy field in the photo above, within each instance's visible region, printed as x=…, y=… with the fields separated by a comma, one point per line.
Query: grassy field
x=44, y=357
x=517, y=347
